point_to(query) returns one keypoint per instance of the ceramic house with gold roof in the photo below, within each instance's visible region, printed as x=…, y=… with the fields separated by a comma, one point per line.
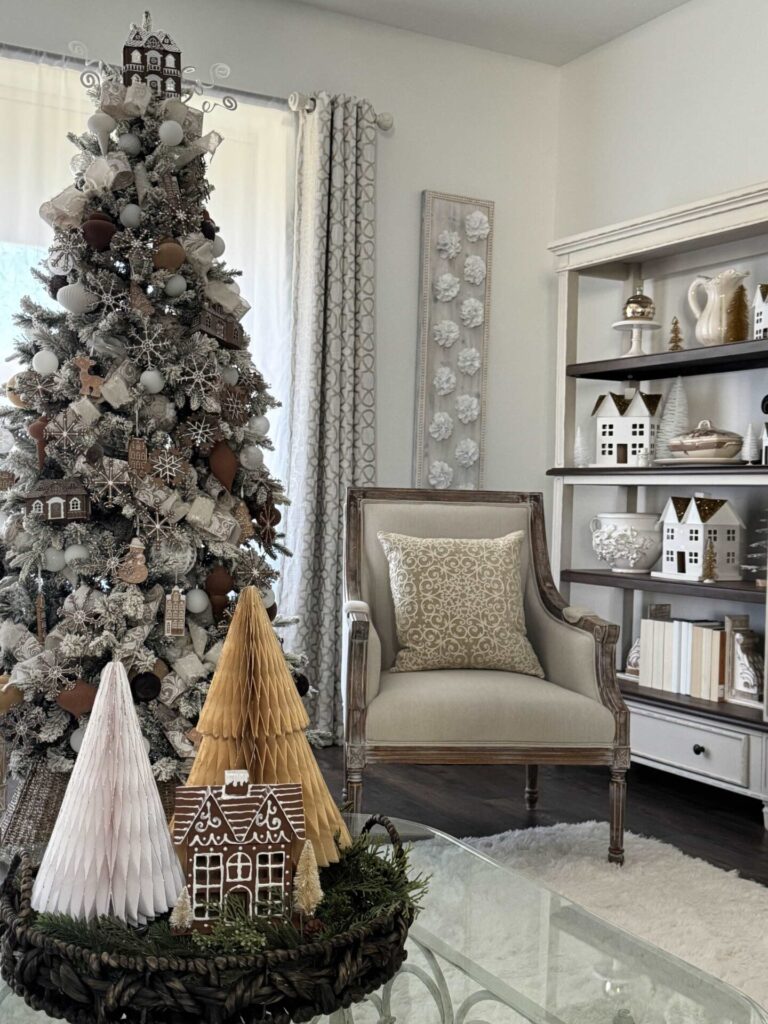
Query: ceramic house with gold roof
x=688, y=525
x=239, y=841
x=626, y=427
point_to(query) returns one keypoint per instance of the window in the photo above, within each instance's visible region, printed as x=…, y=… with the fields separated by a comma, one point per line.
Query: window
x=37, y=505
x=670, y=555
x=170, y=60
x=153, y=60
x=75, y=505
x=693, y=557
x=170, y=85
x=670, y=533
x=730, y=535
x=638, y=430
x=711, y=534
x=693, y=534
x=636, y=447
x=208, y=878
x=607, y=430
x=239, y=868
x=606, y=449
x=135, y=57
x=270, y=878
x=730, y=557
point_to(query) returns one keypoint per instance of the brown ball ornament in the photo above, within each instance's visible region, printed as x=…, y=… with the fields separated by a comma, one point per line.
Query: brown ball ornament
x=302, y=683
x=145, y=687
x=272, y=612
x=9, y=697
x=208, y=230
x=97, y=231
x=169, y=255
x=12, y=394
x=224, y=464
x=218, y=584
x=79, y=699
x=55, y=284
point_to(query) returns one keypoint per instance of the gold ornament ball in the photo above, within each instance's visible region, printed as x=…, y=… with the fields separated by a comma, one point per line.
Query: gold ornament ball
x=639, y=307
x=12, y=394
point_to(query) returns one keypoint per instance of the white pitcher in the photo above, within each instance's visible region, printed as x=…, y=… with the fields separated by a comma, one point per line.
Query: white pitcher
x=711, y=322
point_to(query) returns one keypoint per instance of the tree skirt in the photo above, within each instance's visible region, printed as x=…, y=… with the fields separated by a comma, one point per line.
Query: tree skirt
x=711, y=918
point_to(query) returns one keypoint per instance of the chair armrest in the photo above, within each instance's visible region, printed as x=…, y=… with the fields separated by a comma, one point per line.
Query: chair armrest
x=361, y=660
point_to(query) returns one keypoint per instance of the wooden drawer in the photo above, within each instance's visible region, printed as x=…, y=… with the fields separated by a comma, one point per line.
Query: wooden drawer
x=673, y=740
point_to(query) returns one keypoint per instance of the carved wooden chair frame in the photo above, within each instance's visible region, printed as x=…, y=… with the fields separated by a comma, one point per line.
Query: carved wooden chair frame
x=358, y=752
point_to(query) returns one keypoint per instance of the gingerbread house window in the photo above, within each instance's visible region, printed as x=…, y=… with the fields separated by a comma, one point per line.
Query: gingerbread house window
x=153, y=60
x=75, y=505
x=37, y=506
x=208, y=884
x=170, y=60
x=135, y=58
x=270, y=879
x=239, y=868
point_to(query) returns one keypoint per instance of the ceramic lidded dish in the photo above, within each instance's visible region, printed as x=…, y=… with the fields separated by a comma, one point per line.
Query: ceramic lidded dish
x=706, y=442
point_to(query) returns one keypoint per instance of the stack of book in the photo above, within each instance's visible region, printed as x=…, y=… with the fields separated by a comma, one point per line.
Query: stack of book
x=685, y=656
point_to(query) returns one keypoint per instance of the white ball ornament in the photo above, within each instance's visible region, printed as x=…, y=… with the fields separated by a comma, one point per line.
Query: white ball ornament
x=53, y=559
x=76, y=739
x=259, y=425
x=130, y=215
x=130, y=144
x=146, y=743
x=152, y=381
x=229, y=374
x=252, y=457
x=171, y=133
x=75, y=298
x=218, y=246
x=197, y=601
x=175, y=286
x=75, y=553
x=101, y=125
x=268, y=598
x=45, y=362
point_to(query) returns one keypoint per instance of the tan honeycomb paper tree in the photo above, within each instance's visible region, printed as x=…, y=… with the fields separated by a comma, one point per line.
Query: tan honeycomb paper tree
x=253, y=718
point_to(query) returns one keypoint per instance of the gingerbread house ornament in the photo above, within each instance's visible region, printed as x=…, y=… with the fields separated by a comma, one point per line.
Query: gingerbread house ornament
x=175, y=609
x=224, y=327
x=152, y=57
x=64, y=500
x=239, y=841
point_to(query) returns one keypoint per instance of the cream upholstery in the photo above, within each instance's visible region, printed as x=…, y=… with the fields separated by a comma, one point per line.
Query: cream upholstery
x=483, y=708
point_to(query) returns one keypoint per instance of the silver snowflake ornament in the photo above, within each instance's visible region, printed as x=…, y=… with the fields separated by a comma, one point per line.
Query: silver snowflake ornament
x=155, y=524
x=168, y=464
x=199, y=378
x=149, y=347
x=113, y=296
x=110, y=480
x=64, y=253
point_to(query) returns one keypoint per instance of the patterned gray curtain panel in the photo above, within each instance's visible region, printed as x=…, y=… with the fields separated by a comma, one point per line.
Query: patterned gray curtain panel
x=332, y=416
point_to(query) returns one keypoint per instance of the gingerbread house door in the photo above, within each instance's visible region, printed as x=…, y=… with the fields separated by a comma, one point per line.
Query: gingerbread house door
x=56, y=508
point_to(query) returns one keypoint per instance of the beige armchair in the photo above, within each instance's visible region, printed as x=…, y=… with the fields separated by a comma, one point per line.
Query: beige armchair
x=575, y=715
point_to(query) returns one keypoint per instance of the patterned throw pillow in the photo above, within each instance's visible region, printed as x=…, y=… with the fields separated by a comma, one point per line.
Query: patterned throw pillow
x=459, y=603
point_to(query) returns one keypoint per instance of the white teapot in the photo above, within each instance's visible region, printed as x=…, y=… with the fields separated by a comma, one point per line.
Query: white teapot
x=712, y=321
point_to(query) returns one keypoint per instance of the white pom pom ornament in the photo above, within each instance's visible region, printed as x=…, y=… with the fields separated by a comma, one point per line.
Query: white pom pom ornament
x=171, y=133
x=130, y=216
x=197, y=601
x=152, y=381
x=45, y=362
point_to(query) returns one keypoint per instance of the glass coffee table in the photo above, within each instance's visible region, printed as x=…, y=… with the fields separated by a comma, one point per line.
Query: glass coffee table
x=492, y=947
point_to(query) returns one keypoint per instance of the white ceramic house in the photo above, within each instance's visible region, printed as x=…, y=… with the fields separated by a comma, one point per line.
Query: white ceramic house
x=626, y=426
x=764, y=459
x=760, y=312
x=688, y=524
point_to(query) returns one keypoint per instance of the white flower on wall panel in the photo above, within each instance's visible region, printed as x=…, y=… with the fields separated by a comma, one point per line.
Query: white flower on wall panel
x=454, y=315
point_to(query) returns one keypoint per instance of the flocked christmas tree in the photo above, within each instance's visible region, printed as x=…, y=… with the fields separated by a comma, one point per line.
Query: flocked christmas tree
x=253, y=719
x=674, y=419
x=110, y=852
x=756, y=559
x=135, y=495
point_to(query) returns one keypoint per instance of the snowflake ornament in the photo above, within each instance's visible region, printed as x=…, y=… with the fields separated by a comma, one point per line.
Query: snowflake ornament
x=200, y=431
x=467, y=452
x=234, y=405
x=468, y=361
x=477, y=226
x=148, y=345
x=113, y=296
x=199, y=378
x=474, y=269
x=445, y=333
x=448, y=244
x=67, y=431
x=109, y=481
x=155, y=524
x=444, y=381
x=168, y=465
x=441, y=426
x=64, y=253
x=467, y=408
x=440, y=475
x=472, y=313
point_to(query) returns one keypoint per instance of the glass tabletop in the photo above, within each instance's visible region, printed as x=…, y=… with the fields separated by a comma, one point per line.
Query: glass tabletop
x=492, y=947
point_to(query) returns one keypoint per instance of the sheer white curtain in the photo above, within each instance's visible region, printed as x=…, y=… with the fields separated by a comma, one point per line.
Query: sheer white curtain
x=253, y=173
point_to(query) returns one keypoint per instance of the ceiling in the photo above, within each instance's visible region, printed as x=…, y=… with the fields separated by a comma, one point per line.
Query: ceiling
x=552, y=31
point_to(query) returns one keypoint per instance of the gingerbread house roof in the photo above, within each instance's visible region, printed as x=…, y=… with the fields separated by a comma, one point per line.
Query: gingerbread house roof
x=54, y=488
x=139, y=36
x=241, y=814
x=622, y=403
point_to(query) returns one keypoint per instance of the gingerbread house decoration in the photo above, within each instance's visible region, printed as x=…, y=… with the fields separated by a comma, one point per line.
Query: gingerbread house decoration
x=626, y=427
x=688, y=525
x=239, y=841
x=175, y=609
x=217, y=323
x=760, y=313
x=59, y=500
x=152, y=57
x=763, y=444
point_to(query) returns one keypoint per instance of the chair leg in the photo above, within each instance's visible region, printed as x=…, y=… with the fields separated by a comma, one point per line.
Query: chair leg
x=354, y=763
x=531, y=786
x=618, y=799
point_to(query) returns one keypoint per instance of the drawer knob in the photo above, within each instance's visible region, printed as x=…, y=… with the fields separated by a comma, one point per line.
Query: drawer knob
x=698, y=749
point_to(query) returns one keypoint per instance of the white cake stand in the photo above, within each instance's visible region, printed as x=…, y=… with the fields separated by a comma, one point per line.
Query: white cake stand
x=636, y=328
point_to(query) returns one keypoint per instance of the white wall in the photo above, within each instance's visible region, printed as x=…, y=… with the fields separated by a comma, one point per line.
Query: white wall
x=466, y=121
x=666, y=114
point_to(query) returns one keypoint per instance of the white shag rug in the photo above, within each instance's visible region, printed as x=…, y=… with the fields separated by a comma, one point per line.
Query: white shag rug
x=711, y=918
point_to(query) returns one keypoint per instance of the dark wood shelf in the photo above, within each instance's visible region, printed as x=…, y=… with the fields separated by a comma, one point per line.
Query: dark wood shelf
x=721, y=710
x=742, y=355
x=687, y=469
x=737, y=590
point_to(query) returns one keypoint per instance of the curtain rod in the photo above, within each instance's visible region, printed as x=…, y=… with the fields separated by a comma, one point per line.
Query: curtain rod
x=296, y=101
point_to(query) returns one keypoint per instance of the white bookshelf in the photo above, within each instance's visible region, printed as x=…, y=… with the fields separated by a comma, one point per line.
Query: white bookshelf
x=596, y=272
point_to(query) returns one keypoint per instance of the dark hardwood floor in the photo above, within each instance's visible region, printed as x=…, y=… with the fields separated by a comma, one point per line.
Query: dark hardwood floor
x=720, y=827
